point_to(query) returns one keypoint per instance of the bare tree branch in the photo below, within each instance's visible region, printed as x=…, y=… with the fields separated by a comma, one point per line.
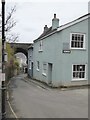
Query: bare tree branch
x=10, y=14
x=12, y=38
x=9, y=24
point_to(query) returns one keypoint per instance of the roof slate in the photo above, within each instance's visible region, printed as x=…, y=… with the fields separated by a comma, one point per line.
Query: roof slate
x=47, y=32
x=51, y=31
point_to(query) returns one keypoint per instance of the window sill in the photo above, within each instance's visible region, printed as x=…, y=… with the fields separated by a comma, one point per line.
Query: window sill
x=82, y=49
x=44, y=74
x=76, y=80
x=40, y=51
x=38, y=70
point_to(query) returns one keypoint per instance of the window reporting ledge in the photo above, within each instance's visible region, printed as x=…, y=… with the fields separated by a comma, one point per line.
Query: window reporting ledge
x=44, y=74
x=80, y=49
x=40, y=51
x=37, y=70
x=77, y=80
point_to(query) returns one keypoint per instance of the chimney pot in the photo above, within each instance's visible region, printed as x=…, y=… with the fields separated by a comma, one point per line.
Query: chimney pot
x=55, y=22
x=54, y=15
x=45, y=28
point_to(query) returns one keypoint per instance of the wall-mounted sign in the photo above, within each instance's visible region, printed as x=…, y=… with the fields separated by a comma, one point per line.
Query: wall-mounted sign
x=2, y=78
x=66, y=51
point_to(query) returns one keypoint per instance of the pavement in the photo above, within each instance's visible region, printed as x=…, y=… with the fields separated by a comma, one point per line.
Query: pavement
x=32, y=99
x=46, y=86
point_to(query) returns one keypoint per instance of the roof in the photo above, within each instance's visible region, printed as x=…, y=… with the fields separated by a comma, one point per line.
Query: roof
x=47, y=32
x=50, y=31
x=31, y=46
x=80, y=19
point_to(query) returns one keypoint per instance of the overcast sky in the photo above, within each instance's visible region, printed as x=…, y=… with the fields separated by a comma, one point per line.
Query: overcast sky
x=32, y=16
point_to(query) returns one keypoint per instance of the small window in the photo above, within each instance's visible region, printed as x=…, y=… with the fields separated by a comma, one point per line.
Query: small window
x=41, y=46
x=78, y=72
x=30, y=65
x=44, y=68
x=38, y=65
x=77, y=40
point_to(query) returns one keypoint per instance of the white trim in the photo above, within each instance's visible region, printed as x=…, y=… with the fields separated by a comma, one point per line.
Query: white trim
x=65, y=26
x=38, y=70
x=43, y=69
x=86, y=72
x=44, y=74
x=40, y=51
x=30, y=64
x=78, y=79
x=72, y=23
x=76, y=48
x=37, y=62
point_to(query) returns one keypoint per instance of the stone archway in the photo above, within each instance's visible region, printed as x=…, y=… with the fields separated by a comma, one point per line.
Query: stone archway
x=21, y=47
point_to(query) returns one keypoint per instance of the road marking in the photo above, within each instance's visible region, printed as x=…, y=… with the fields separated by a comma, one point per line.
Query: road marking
x=12, y=109
x=10, y=104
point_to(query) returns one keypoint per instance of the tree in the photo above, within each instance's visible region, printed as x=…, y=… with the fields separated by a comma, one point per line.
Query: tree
x=9, y=24
x=0, y=51
x=12, y=65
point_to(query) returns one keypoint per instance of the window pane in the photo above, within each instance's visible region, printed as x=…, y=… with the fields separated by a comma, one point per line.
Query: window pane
x=82, y=37
x=83, y=74
x=74, y=75
x=73, y=67
x=80, y=75
x=72, y=36
x=78, y=44
x=75, y=44
x=37, y=64
x=81, y=44
x=72, y=44
x=44, y=67
x=83, y=68
x=78, y=68
x=78, y=37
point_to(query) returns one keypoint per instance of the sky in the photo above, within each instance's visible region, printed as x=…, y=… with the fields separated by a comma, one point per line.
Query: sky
x=32, y=15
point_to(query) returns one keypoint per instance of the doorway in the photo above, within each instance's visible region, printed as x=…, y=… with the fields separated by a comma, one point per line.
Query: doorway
x=50, y=65
x=31, y=69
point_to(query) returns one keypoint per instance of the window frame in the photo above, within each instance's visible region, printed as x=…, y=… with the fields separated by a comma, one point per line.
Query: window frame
x=30, y=66
x=40, y=46
x=38, y=66
x=76, y=48
x=79, y=79
x=44, y=70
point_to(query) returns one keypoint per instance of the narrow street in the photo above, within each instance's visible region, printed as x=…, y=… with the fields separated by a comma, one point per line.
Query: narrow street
x=29, y=100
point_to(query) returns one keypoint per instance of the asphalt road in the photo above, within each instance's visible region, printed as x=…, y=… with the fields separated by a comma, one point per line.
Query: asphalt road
x=0, y=104
x=32, y=101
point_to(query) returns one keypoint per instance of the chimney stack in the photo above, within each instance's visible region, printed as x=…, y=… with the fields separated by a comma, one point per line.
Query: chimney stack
x=45, y=28
x=55, y=22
